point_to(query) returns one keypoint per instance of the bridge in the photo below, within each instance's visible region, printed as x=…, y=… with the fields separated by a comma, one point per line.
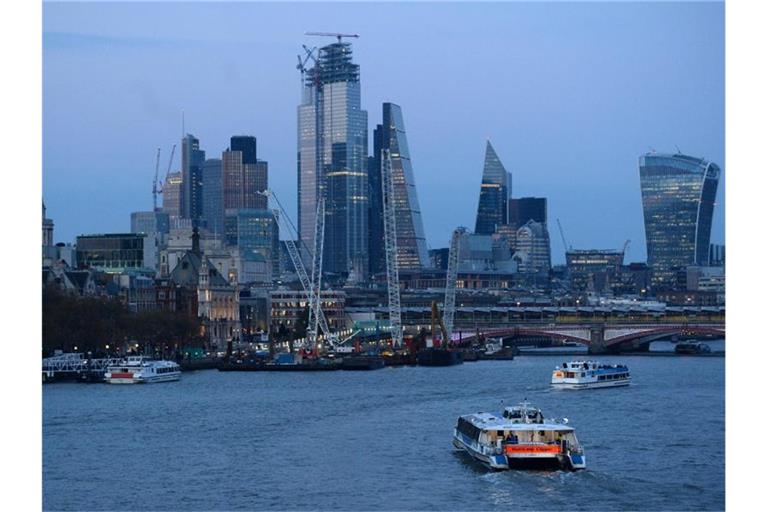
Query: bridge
x=602, y=337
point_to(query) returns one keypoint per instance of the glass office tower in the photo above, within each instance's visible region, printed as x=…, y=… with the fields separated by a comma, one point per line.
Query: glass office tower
x=332, y=160
x=494, y=193
x=213, y=207
x=411, y=243
x=192, y=160
x=678, y=194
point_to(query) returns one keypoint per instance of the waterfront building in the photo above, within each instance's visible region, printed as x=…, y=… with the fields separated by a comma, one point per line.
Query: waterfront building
x=332, y=160
x=594, y=270
x=192, y=159
x=495, y=190
x=289, y=306
x=114, y=252
x=705, y=279
x=678, y=193
x=254, y=314
x=172, y=192
x=254, y=231
x=533, y=250
x=213, y=195
x=156, y=225
x=207, y=295
x=523, y=209
x=244, y=177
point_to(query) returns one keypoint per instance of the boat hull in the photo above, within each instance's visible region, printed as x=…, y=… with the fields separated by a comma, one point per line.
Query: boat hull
x=439, y=357
x=140, y=379
x=590, y=385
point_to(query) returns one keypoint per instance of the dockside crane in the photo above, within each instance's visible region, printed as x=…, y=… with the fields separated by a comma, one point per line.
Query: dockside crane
x=315, y=310
x=282, y=219
x=390, y=250
x=449, y=305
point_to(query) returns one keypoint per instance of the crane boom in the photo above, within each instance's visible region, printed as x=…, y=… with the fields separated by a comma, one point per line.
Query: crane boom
x=562, y=236
x=390, y=249
x=298, y=264
x=331, y=34
x=317, y=274
x=449, y=306
x=170, y=162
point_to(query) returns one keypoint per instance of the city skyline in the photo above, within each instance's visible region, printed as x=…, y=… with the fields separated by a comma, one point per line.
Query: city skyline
x=599, y=209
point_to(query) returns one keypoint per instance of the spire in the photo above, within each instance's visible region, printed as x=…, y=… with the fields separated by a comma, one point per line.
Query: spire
x=195, y=241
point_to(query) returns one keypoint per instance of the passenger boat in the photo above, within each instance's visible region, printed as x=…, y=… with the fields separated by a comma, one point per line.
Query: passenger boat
x=519, y=437
x=589, y=374
x=140, y=370
x=692, y=347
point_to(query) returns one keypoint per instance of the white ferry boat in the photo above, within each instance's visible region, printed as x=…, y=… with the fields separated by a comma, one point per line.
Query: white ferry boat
x=519, y=437
x=589, y=374
x=140, y=369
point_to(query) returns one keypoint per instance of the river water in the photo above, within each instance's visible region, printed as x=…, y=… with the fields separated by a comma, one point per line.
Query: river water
x=381, y=440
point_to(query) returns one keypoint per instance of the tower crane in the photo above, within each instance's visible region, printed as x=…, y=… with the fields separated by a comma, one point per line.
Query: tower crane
x=449, y=306
x=154, y=182
x=624, y=248
x=390, y=249
x=337, y=35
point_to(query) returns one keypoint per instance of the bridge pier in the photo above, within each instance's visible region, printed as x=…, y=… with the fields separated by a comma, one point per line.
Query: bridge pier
x=597, y=343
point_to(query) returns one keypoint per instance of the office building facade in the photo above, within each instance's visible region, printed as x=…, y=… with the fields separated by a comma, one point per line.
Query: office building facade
x=172, y=192
x=411, y=243
x=192, y=160
x=523, y=209
x=678, y=193
x=114, y=252
x=244, y=177
x=494, y=194
x=254, y=231
x=213, y=196
x=332, y=160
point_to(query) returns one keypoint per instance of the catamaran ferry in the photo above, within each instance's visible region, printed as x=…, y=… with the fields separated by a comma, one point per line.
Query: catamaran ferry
x=140, y=369
x=589, y=374
x=519, y=437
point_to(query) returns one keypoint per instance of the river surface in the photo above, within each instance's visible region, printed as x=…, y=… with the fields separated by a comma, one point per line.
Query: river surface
x=381, y=440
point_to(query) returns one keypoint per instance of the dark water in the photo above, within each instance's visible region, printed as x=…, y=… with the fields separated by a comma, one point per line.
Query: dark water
x=381, y=440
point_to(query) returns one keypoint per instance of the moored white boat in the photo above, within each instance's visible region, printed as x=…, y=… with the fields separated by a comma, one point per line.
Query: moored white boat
x=142, y=370
x=589, y=374
x=519, y=437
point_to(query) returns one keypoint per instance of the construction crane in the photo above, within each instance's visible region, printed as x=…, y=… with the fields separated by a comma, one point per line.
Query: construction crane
x=449, y=305
x=562, y=236
x=331, y=34
x=293, y=252
x=154, y=182
x=390, y=249
x=170, y=163
x=317, y=273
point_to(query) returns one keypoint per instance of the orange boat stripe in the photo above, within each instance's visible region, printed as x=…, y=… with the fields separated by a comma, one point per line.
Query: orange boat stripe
x=531, y=448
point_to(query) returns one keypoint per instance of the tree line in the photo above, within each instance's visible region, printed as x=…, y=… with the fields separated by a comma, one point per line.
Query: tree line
x=83, y=324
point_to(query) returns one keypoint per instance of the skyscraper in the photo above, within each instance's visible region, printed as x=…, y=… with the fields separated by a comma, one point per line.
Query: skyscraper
x=192, y=159
x=213, y=196
x=524, y=209
x=244, y=177
x=678, y=194
x=332, y=159
x=172, y=193
x=411, y=243
x=494, y=193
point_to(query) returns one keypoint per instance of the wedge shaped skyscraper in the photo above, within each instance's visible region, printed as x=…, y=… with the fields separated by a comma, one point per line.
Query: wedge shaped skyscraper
x=678, y=200
x=411, y=243
x=495, y=190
